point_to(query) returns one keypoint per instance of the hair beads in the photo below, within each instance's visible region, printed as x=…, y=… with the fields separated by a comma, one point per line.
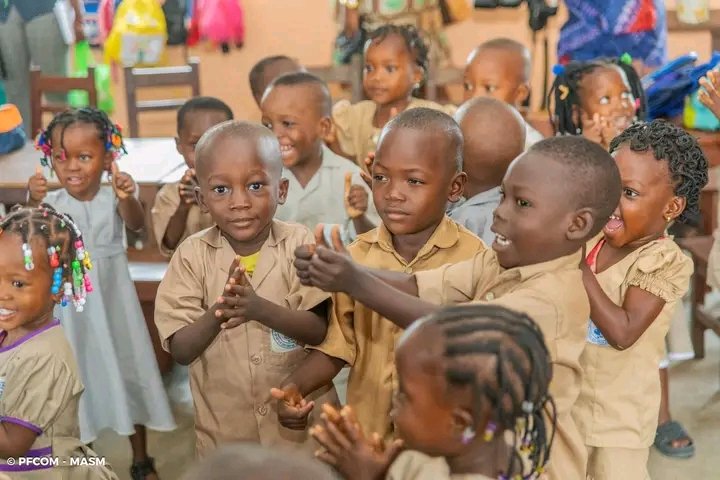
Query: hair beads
x=67, y=256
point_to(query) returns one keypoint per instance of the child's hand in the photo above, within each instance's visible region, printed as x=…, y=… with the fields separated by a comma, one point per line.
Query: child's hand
x=238, y=300
x=709, y=94
x=293, y=409
x=345, y=447
x=38, y=186
x=593, y=129
x=366, y=169
x=356, y=198
x=331, y=270
x=187, y=186
x=122, y=183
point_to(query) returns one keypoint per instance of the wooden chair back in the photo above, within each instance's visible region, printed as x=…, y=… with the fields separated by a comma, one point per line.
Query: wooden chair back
x=41, y=84
x=345, y=75
x=135, y=78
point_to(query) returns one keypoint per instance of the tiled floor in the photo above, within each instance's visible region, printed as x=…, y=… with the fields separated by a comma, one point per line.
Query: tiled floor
x=695, y=401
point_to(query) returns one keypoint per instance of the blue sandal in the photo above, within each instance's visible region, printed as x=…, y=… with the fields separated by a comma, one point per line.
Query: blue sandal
x=669, y=432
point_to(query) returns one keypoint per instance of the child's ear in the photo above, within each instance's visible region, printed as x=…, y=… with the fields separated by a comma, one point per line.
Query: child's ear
x=177, y=145
x=326, y=129
x=457, y=187
x=582, y=224
x=521, y=94
x=201, y=200
x=107, y=161
x=674, y=208
x=283, y=190
x=56, y=298
x=418, y=75
x=462, y=419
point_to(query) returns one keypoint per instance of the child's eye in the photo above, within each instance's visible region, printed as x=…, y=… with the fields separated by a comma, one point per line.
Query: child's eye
x=379, y=178
x=605, y=100
x=627, y=96
x=85, y=158
x=490, y=88
x=255, y=187
x=630, y=193
x=18, y=283
x=469, y=87
x=288, y=124
x=391, y=68
x=522, y=203
x=415, y=181
x=220, y=190
x=267, y=125
x=368, y=68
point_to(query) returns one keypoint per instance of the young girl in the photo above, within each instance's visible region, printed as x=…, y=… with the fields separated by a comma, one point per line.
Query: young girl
x=110, y=339
x=467, y=375
x=635, y=275
x=396, y=60
x=597, y=99
x=43, y=262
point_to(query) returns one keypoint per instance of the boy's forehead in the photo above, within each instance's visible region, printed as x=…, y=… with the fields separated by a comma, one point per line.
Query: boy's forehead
x=423, y=146
x=509, y=60
x=202, y=119
x=231, y=150
x=299, y=99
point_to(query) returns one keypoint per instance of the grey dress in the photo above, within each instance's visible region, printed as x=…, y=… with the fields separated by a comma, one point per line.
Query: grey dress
x=117, y=363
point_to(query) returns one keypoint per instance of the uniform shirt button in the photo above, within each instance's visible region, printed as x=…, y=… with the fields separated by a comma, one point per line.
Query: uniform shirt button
x=490, y=296
x=256, y=359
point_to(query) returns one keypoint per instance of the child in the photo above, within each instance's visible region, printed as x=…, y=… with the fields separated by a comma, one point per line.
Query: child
x=123, y=388
x=635, y=275
x=417, y=170
x=249, y=461
x=597, y=99
x=501, y=68
x=395, y=64
x=296, y=107
x=533, y=267
x=41, y=265
x=466, y=376
x=268, y=69
x=494, y=135
x=175, y=213
x=203, y=295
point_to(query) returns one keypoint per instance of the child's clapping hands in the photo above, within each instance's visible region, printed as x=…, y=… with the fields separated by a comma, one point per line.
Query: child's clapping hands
x=328, y=268
x=345, y=447
x=237, y=300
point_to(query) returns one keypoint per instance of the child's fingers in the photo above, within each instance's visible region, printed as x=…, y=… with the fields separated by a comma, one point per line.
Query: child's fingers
x=348, y=183
x=232, y=323
x=338, y=437
x=336, y=239
x=320, y=434
x=225, y=314
x=394, y=449
x=324, y=456
x=320, y=235
x=331, y=412
x=366, y=178
x=114, y=169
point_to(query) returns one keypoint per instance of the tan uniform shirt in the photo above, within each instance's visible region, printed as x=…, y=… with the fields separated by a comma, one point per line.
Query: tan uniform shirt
x=552, y=294
x=231, y=380
x=620, y=397
x=323, y=198
x=166, y=204
x=413, y=465
x=364, y=339
x=40, y=390
x=354, y=125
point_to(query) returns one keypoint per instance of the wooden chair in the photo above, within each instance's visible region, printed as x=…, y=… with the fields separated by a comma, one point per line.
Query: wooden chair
x=185, y=75
x=41, y=84
x=345, y=75
x=439, y=77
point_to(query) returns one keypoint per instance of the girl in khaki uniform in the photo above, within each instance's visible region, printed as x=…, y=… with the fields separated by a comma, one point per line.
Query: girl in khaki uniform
x=470, y=378
x=635, y=275
x=42, y=262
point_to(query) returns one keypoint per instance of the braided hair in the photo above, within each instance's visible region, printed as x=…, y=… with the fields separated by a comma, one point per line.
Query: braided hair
x=410, y=35
x=108, y=132
x=686, y=161
x=517, y=392
x=565, y=92
x=68, y=259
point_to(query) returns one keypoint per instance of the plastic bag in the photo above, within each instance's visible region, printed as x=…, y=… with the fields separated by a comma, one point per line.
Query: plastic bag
x=138, y=34
x=83, y=59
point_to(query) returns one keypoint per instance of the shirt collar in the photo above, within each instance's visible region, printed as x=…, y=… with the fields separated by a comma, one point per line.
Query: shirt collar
x=445, y=235
x=484, y=197
x=568, y=262
x=214, y=237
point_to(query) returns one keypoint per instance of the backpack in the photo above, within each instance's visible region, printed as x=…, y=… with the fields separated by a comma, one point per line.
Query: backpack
x=12, y=134
x=138, y=34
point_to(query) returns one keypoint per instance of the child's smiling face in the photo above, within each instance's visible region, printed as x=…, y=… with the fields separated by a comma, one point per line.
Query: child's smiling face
x=25, y=297
x=79, y=158
x=648, y=201
x=605, y=92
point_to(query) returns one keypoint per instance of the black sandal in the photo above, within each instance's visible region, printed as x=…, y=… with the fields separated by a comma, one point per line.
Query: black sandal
x=139, y=470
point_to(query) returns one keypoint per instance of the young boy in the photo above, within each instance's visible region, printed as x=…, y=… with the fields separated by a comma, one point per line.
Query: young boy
x=533, y=267
x=501, y=68
x=417, y=170
x=229, y=305
x=297, y=108
x=267, y=70
x=494, y=135
x=175, y=213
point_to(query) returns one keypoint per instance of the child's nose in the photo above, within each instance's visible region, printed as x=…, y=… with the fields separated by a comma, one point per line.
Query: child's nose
x=239, y=199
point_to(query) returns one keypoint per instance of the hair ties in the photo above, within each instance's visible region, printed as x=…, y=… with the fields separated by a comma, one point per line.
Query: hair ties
x=558, y=69
x=626, y=58
x=564, y=92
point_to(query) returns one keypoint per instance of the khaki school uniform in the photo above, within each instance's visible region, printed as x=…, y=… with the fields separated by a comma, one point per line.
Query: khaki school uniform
x=40, y=390
x=551, y=293
x=166, y=204
x=231, y=381
x=620, y=396
x=354, y=125
x=364, y=339
x=413, y=465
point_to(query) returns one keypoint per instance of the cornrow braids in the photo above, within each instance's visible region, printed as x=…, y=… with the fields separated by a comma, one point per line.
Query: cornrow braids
x=565, y=96
x=68, y=259
x=518, y=392
x=410, y=35
x=686, y=161
x=108, y=132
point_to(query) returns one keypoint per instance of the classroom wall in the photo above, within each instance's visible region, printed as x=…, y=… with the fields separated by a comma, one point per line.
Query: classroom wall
x=305, y=29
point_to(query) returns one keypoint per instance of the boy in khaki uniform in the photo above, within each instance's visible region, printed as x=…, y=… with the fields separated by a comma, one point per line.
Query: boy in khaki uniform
x=533, y=267
x=175, y=213
x=229, y=304
x=416, y=172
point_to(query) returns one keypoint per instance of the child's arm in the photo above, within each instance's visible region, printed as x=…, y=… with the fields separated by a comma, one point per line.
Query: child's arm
x=176, y=225
x=622, y=325
x=15, y=440
x=709, y=94
x=129, y=207
x=37, y=188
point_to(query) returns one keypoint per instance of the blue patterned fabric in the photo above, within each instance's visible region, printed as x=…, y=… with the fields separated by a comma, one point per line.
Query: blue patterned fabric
x=28, y=9
x=609, y=28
